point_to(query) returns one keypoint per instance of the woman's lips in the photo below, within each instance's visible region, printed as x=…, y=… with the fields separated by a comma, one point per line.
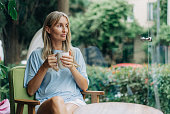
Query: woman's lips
x=63, y=35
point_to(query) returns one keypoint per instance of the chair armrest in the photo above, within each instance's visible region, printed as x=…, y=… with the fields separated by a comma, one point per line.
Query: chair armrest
x=31, y=105
x=93, y=92
x=26, y=101
x=94, y=95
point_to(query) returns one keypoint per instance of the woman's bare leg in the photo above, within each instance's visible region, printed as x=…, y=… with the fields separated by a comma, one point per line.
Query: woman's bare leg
x=55, y=105
x=71, y=108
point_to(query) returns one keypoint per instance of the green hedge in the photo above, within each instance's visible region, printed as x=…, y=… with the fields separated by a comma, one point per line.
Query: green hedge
x=4, y=85
x=134, y=85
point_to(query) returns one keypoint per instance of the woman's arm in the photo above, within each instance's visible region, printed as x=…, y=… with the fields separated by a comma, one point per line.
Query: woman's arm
x=36, y=81
x=80, y=80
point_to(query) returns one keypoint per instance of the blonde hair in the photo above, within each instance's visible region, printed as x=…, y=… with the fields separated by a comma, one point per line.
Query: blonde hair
x=51, y=20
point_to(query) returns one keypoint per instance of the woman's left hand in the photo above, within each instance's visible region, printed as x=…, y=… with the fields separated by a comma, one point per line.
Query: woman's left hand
x=67, y=61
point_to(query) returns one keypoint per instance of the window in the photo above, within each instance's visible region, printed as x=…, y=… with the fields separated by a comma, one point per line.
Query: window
x=150, y=12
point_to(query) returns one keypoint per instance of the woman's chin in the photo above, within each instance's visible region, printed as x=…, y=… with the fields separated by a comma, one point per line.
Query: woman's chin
x=60, y=39
x=63, y=38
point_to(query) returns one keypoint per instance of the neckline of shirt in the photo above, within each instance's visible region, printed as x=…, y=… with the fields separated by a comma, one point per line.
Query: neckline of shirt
x=57, y=51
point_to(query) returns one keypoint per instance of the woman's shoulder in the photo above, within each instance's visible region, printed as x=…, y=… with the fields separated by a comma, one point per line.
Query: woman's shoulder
x=36, y=52
x=77, y=53
x=76, y=49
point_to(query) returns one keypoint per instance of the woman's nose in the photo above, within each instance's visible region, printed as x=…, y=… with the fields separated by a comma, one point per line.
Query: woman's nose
x=64, y=29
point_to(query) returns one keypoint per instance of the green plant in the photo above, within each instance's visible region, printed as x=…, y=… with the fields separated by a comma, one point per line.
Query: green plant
x=164, y=35
x=3, y=71
x=3, y=82
x=133, y=85
x=11, y=8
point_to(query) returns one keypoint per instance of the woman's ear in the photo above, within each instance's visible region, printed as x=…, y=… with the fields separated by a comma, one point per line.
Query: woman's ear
x=47, y=29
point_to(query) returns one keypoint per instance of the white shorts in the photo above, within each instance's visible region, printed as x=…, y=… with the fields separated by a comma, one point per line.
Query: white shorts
x=77, y=102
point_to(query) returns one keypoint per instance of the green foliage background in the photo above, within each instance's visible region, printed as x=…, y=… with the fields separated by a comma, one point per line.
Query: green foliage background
x=102, y=21
x=164, y=31
x=133, y=85
x=105, y=26
x=4, y=85
x=164, y=35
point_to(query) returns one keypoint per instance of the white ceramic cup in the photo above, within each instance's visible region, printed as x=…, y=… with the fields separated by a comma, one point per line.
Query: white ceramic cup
x=59, y=55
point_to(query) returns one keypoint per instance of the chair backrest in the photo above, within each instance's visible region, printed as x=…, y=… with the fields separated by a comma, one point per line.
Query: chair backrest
x=16, y=86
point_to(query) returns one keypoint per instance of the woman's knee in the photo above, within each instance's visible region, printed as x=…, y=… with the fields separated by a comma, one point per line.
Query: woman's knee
x=57, y=105
x=57, y=100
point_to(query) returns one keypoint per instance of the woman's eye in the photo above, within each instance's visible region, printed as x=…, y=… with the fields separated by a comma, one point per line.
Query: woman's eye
x=67, y=25
x=59, y=25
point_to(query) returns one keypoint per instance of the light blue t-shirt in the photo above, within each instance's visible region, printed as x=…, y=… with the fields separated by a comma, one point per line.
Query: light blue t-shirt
x=55, y=83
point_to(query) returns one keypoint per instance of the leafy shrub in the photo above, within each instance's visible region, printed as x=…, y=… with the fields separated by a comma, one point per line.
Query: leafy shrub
x=134, y=85
x=4, y=85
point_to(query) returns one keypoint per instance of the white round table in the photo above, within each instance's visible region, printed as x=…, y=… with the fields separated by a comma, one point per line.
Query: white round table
x=116, y=108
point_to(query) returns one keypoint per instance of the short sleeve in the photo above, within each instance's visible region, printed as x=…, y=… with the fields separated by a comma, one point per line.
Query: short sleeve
x=32, y=67
x=82, y=65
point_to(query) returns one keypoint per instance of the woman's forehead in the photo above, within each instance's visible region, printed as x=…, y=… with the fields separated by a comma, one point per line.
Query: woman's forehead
x=63, y=19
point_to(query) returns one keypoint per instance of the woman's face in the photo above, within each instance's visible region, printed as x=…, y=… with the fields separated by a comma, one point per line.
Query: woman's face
x=59, y=31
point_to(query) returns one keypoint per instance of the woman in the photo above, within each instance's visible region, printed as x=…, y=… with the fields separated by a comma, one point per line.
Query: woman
x=57, y=90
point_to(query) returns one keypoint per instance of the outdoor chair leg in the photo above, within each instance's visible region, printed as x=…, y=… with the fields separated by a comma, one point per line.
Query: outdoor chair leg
x=20, y=108
x=31, y=109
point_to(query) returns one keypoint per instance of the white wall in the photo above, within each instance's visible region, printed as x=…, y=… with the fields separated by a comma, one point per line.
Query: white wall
x=140, y=12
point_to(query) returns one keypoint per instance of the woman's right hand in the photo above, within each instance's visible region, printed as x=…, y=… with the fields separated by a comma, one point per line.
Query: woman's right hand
x=51, y=61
